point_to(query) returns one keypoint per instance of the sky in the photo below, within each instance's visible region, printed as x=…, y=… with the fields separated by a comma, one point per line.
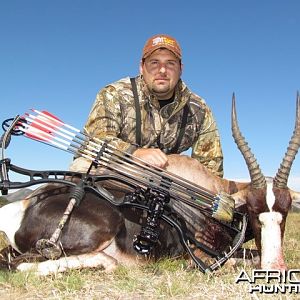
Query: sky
x=56, y=55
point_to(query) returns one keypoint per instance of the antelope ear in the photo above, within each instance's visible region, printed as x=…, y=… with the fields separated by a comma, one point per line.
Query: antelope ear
x=295, y=200
x=239, y=198
x=295, y=195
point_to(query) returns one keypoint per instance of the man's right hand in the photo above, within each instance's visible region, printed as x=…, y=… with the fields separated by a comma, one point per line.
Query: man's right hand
x=152, y=156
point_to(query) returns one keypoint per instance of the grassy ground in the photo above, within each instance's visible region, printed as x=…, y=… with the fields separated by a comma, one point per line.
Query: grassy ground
x=167, y=279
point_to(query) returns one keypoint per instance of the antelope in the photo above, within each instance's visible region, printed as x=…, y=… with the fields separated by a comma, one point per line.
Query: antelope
x=267, y=200
x=98, y=234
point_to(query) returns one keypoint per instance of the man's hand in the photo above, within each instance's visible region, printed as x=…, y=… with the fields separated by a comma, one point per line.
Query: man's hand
x=152, y=156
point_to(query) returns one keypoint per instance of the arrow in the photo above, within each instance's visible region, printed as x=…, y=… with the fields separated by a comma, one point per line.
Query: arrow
x=47, y=128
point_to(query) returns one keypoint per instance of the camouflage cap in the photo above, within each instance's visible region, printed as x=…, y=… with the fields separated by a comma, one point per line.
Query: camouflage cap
x=161, y=41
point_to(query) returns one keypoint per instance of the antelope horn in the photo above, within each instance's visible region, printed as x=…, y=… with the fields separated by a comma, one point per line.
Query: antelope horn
x=281, y=178
x=258, y=180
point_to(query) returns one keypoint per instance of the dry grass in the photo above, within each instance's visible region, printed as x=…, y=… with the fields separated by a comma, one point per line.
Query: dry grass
x=167, y=279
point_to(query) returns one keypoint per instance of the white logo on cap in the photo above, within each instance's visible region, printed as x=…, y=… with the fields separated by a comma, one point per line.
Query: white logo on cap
x=162, y=40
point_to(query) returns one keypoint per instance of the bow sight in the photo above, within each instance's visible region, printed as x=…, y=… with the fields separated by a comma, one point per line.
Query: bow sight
x=152, y=189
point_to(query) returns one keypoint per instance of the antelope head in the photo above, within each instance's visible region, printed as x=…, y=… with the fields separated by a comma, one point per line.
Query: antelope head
x=268, y=201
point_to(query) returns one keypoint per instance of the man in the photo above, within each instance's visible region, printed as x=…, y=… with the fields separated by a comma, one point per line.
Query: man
x=155, y=114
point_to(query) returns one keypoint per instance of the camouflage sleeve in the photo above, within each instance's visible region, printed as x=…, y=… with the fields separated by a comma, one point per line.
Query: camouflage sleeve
x=208, y=149
x=104, y=120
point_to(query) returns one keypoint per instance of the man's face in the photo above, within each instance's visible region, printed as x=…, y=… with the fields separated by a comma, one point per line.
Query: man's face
x=161, y=71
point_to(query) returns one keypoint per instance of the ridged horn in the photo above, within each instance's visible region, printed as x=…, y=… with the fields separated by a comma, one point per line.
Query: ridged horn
x=258, y=180
x=281, y=178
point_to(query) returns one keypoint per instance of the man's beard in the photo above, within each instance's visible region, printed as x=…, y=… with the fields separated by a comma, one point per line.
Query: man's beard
x=159, y=89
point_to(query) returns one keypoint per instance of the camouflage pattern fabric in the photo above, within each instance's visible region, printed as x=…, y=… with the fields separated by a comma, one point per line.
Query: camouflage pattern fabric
x=113, y=117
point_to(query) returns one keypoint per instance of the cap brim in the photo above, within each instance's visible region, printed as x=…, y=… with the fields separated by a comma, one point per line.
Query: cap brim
x=160, y=47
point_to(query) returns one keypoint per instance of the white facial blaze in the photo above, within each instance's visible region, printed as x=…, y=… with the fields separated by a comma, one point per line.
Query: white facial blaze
x=270, y=195
x=271, y=243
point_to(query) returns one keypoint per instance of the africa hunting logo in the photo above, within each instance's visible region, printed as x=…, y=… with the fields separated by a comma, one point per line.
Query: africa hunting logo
x=271, y=281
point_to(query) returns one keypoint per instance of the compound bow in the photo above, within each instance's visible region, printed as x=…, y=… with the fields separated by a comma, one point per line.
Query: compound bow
x=153, y=188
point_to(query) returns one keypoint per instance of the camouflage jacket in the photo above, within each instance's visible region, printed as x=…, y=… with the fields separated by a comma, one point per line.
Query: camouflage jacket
x=113, y=116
